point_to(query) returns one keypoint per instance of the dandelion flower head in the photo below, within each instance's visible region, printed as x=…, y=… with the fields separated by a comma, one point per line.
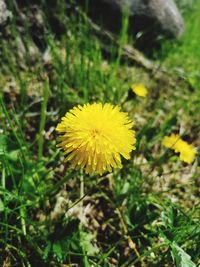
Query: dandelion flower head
x=95, y=136
x=139, y=89
x=187, y=151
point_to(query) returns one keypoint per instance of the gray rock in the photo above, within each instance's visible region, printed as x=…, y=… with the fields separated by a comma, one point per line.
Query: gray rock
x=164, y=12
x=144, y=14
x=5, y=14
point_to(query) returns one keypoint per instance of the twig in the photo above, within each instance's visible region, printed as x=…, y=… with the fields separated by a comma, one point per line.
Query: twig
x=128, y=51
x=132, y=245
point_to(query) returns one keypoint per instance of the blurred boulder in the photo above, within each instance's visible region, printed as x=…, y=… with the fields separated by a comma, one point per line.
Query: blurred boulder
x=155, y=16
x=161, y=13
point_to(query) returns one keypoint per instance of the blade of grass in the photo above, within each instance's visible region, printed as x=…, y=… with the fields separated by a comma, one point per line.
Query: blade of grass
x=43, y=119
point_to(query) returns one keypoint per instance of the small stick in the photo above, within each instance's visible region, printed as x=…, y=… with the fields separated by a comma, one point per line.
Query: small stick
x=132, y=245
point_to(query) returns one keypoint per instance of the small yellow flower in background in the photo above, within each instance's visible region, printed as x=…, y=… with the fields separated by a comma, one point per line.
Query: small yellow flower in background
x=171, y=141
x=187, y=151
x=139, y=89
x=95, y=136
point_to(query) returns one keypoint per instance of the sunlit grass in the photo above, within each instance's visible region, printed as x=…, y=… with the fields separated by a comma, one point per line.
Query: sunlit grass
x=184, y=54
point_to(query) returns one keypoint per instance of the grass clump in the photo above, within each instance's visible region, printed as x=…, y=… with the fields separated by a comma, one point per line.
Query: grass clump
x=184, y=55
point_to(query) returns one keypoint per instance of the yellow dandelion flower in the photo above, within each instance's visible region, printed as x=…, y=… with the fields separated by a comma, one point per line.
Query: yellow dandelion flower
x=187, y=151
x=171, y=141
x=139, y=89
x=95, y=136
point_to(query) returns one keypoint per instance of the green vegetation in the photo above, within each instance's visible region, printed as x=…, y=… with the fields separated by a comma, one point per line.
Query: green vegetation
x=184, y=55
x=146, y=214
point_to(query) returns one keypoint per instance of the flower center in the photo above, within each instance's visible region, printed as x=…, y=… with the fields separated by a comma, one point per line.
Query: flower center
x=96, y=133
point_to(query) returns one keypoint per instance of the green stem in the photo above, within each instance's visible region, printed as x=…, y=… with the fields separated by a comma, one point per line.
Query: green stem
x=85, y=260
x=123, y=36
x=81, y=198
x=3, y=180
x=82, y=187
x=3, y=183
x=43, y=119
x=22, y=218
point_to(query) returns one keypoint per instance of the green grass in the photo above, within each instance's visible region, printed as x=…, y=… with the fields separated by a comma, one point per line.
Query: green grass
x=184, y=55
x=153, y=200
